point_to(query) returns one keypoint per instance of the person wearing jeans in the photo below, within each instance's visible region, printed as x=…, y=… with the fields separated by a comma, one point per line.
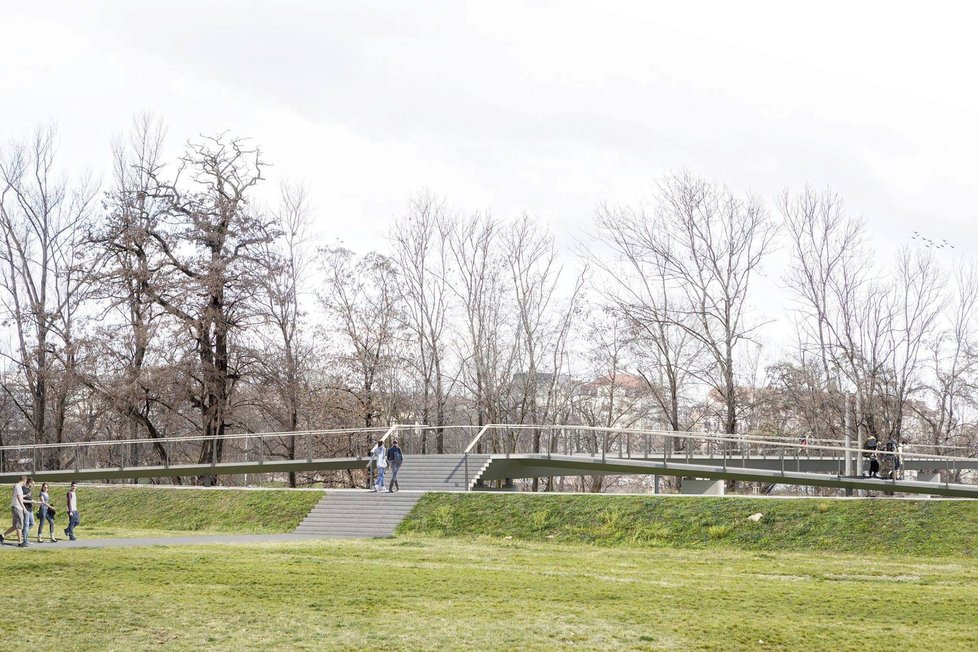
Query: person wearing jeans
x=47, y=514
x=73, y=519
x=379, y=455
x=395, y=458
x=28, y=509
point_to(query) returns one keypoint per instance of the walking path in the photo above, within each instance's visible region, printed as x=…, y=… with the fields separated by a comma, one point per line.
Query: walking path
x=166, y=541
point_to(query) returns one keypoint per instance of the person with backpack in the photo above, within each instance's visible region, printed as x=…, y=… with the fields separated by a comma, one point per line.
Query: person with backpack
x=46, y=512
x=870, y=453
x=378, y=455
x=395, y=459
x=28, y=509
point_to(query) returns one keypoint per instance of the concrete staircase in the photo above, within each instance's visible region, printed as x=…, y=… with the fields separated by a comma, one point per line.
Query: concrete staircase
x=438, y=472
x=355, y=513
x=358, y=513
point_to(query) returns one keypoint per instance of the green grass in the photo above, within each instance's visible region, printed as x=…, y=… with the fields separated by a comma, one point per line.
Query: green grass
x=876, y=527
x=423, y=593
x=108, y=511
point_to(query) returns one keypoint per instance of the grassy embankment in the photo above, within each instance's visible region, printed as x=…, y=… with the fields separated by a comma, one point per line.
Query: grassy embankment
x=878, y=527
x=108, y=511
x=429, y=593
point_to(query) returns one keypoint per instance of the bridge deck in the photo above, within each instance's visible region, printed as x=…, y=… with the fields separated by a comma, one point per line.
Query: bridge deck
x=542, y=465
x=806, y=471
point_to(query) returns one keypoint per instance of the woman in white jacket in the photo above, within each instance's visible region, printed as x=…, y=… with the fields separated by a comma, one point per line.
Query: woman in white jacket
x=378, y=455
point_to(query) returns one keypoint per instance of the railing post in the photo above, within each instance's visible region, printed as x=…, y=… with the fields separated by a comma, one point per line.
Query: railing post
x=466, y=457
x=604, y=446
x=308, y=447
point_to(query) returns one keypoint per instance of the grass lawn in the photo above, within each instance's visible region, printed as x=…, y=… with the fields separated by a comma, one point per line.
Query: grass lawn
x=877, y=527
x=437, y=593
x=120, y=511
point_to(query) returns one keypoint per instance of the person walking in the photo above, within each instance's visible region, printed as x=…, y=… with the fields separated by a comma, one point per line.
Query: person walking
x=870, y=452
x=394, y=459
x=378, y=455
x=73, y=519
x=17, y=512
x=28, y=509
x=47, y=512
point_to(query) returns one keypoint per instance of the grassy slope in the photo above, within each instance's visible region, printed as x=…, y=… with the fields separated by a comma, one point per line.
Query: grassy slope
x=881, y=527
x=120, y=511
x=413, y=593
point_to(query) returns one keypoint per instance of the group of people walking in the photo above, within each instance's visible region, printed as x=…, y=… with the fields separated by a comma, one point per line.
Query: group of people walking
x=22, y=507
x=381, y=458
x=885, y=462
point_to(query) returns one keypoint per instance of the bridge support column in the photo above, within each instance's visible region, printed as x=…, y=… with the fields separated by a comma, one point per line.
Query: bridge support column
x=693, y=486
x=928, y=476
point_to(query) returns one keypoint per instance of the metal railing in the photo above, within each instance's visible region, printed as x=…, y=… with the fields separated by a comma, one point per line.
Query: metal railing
x=496, y=439
x=232, y=448
x=687, y=447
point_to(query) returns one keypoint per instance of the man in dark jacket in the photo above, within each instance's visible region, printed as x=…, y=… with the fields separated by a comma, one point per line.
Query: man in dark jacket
x=394, y=459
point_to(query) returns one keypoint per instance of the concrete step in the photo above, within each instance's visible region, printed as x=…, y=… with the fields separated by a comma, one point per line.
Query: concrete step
x=357, y=514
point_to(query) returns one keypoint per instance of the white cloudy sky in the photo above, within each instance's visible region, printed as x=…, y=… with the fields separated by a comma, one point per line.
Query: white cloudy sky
x=537, y=106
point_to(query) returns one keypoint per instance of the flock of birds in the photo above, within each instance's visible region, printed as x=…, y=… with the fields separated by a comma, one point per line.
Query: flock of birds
x=931, y=244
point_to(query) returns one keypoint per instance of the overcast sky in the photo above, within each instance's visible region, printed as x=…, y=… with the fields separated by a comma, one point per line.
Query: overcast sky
x=543, y=107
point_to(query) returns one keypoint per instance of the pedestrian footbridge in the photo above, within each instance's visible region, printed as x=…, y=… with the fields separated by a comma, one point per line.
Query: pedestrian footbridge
x=460, y=458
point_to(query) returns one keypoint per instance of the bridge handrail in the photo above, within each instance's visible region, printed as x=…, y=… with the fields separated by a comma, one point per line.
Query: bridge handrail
x=716, y=437
x=388, y=431
x=225, y=437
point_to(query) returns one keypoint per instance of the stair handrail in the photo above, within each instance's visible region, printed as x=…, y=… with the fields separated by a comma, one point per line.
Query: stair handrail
x=474, y=442
x=389, y=432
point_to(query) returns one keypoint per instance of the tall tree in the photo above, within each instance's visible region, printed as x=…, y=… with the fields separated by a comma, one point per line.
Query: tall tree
x=706, y=244
x=284, y=351
x=421, y=250
x=42, y=222
x=361, y=295
x=208, y=235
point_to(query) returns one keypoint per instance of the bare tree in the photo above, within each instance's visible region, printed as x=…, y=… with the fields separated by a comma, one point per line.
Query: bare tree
x=361, y=295
x=421, y=249
x=284, y=352
x=208, y=237
x=42, y=221
x=123, y=278
x=952, y=364
x=479, y=285
x=860, y=327
x=706, y=245
x=635, y=285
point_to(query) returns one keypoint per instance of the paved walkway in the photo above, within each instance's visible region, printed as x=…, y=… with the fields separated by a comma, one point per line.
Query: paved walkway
x=164, y=541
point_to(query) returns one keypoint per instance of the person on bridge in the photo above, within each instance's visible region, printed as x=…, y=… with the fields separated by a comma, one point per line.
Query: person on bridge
x=394, y=458
x=46, y=513
x=378, y=455
x=17, y=512
x=73, y=519
x=870, y=452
